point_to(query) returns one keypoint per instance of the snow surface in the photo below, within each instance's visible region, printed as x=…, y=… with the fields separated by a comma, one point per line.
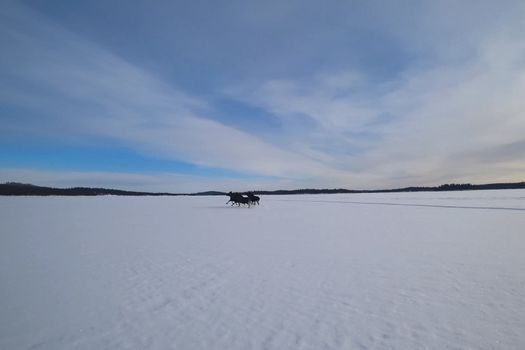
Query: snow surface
x=362, y=271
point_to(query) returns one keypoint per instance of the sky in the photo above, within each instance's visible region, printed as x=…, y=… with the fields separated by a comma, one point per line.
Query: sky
x=187, y=96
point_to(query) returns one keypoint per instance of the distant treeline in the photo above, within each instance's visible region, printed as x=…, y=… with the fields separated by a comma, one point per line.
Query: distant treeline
x=19, y=189
x=446, y=187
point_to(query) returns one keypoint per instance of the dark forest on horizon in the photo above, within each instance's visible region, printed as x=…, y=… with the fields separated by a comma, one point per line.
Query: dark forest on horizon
x=20, y=189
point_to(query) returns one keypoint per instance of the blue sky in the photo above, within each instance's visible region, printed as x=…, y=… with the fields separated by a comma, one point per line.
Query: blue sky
x=201, y=95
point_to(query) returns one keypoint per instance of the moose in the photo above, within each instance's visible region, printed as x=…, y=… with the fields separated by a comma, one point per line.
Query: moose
x=253, y=198
x=238, y=198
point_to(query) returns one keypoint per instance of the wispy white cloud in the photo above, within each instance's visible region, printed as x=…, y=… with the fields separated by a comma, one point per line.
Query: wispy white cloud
x=446, y=122
x=72, y=87
x=453, y=111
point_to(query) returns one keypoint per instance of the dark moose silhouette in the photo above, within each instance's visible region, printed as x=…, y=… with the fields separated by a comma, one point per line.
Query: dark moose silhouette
x=238, y=198
x=253, y=198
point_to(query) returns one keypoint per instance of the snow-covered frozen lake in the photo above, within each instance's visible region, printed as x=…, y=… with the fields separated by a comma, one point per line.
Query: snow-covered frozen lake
x=362, y=271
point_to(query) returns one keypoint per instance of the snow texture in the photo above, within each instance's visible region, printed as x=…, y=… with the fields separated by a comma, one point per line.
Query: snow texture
x=361, y=271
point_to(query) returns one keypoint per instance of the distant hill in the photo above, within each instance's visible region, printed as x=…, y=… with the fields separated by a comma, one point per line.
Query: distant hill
x=208, y=193
x=20, y=189
x=446, y=187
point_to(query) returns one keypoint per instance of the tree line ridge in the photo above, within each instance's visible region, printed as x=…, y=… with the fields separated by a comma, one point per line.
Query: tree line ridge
x=20, y=189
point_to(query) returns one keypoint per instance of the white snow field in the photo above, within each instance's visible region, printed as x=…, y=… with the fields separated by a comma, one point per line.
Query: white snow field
x=364, y=271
